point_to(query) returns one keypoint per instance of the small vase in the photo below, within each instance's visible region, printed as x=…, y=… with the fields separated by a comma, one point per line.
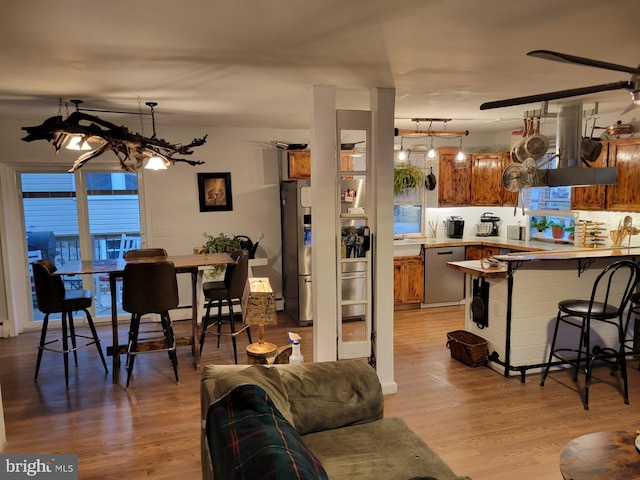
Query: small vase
x=557, y=232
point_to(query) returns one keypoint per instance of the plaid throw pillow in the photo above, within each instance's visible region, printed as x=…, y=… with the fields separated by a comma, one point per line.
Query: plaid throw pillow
x=249, y=439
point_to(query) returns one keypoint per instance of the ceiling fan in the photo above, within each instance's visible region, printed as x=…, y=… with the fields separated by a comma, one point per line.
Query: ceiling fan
x=633, y=85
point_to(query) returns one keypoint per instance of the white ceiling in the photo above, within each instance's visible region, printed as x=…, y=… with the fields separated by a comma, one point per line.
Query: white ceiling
x=252, y=63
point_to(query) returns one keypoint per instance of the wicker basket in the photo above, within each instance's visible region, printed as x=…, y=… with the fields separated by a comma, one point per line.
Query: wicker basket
x=467, y=347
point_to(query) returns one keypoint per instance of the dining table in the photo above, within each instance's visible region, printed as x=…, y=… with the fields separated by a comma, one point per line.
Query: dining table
x=194, y=264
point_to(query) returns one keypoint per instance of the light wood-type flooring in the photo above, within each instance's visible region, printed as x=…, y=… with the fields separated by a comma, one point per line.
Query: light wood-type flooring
x=482, y=424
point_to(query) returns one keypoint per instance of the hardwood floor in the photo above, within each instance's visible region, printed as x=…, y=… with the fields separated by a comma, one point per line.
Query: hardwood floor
x=482, y=424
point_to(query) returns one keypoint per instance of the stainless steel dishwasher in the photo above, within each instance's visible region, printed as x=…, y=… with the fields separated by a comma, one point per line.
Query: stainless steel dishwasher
x=441, y=283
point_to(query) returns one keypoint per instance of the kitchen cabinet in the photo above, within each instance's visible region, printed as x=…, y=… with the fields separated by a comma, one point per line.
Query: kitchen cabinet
x=592, y=197
x=408, y=280
x=624, y=154
x=476, y=181
x=478, y=252
x=486, y=180
x=454, y=184
x=299, y=163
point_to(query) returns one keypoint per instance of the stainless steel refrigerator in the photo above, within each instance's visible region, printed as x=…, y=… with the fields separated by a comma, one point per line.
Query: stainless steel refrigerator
x=296, y=250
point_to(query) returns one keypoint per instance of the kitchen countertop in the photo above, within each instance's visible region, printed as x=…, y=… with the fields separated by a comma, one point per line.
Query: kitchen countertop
x=500, y=242
x=576, y=253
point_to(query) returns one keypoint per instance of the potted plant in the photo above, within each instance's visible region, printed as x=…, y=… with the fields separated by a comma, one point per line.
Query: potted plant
x=539, y=223
x=220, y=243
x=557, y=229
x=408, y=177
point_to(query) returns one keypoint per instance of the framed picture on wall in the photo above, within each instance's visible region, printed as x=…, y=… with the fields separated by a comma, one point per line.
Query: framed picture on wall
x=214, y=192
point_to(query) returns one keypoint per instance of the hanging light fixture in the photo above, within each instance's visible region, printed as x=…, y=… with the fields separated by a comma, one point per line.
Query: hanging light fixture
x=432, y=151
x=460, y=156
x=131, y=149
x=403, y=154
x=156, y=161
x=75, y=142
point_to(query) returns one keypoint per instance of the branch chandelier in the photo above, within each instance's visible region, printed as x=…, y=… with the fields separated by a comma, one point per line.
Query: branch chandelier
x=80, y=129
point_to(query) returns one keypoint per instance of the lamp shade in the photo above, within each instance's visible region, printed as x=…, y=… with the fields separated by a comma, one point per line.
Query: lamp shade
x=156, y=163
x=259, y=303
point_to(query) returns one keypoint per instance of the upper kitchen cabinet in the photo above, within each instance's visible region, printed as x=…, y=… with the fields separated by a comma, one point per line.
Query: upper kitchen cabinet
x=475, y=181
x=454, y=184
x=486, y=180
x=625, y=156
x=592, y=197
x=299, y=163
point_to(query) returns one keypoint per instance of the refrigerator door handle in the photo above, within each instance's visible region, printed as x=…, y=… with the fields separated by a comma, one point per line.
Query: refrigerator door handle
x=347, y=276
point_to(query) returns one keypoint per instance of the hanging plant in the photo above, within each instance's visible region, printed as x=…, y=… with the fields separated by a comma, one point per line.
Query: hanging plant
x=408, y=177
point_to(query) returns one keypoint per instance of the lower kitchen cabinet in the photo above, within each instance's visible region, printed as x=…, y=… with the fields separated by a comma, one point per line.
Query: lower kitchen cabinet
x=478, y=252
x=408, y=280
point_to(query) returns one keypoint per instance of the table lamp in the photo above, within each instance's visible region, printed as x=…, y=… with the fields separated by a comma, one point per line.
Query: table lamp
x=259, y=308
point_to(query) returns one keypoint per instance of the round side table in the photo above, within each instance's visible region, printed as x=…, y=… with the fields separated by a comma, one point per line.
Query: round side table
x=601, y=455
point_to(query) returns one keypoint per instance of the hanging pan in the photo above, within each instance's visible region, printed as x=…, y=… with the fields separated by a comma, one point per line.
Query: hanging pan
x=430, y=182
x=590, y=149
x=349, y=146
x=517, y=154
x=514, y=177
x=536, y=144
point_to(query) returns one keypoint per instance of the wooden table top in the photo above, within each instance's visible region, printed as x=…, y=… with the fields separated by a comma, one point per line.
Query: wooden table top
x=192, y=260
x=600, y=456
x=475, y=268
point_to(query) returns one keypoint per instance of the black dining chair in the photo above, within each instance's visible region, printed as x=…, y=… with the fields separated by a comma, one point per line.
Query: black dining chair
x=227, y=291
x=150, y=287
x=610, y=296
x=52, y=297
x=145, y=253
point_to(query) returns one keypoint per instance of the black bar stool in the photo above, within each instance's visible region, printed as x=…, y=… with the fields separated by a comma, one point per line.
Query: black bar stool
x=631, y=344
x=52, y=297
x=624, y=275
x=227, y=291
x=150, y=287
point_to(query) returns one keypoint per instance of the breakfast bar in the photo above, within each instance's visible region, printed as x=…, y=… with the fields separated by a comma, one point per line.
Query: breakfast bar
x=522, y=300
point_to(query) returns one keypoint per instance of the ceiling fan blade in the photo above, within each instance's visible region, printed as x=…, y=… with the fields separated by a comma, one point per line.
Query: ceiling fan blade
x=632, y=106
x=544, y=97
x=565, y=58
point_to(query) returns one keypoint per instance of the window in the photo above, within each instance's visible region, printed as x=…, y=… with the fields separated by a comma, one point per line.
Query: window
x=55, y=224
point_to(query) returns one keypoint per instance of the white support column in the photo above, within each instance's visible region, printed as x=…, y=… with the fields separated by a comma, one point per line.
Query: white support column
x=323, y=224
x=383, y=110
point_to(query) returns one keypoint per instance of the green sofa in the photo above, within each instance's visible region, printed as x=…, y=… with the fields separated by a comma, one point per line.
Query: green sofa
x=335, y=408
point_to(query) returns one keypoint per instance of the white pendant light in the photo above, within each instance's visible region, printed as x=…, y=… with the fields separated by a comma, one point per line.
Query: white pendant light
x=156, y=163
x=75, y=144
x=460, y=156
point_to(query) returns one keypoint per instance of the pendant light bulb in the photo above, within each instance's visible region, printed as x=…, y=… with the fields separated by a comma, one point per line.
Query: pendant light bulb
x=75, y=144
x=156, y=163
x=460, y=155
x=432, y=151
